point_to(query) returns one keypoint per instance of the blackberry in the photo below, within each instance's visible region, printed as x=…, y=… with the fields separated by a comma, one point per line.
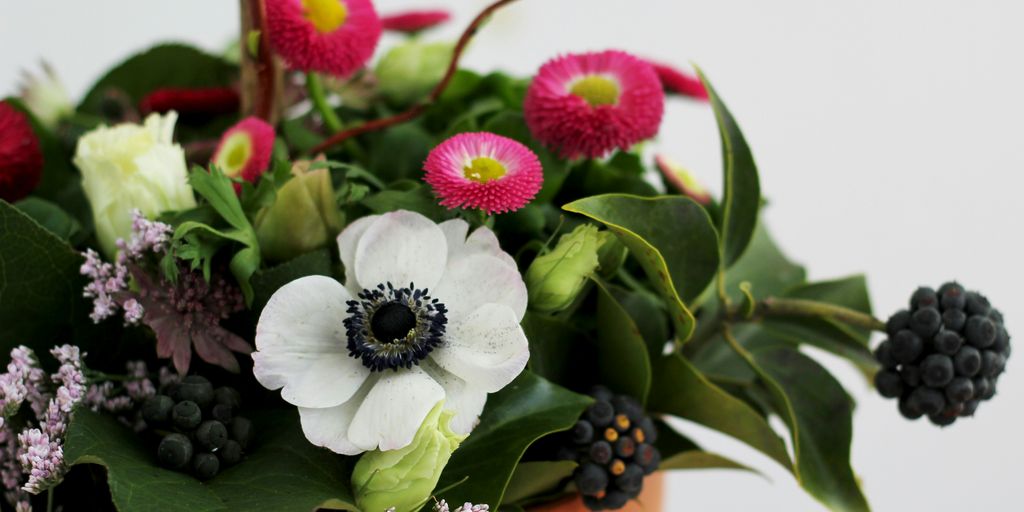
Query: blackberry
x=944, y=355
x=612, y=443
x=200, y=431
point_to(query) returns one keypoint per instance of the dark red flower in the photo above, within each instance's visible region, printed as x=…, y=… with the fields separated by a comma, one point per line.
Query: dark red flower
x=678, y=82
x=414, y=21
x=21, y=159
x=198, y=101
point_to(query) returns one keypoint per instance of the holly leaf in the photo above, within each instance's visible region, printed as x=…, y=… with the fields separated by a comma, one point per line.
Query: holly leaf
x=673, y=239
x=819, y=414
x=40, y=284
x=680, y=390
x=741, y=198
x=527, y=409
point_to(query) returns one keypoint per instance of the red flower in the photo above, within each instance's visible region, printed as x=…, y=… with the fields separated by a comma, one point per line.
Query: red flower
x=679, y=82
x=210, y=101
x=329, y=36
x=411, y=22
x=21, y=159
x=591, y=103
x=245, y=149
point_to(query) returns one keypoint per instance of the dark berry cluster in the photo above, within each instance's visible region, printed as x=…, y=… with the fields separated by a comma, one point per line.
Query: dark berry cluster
x=613, y=444
x=199, y=427
x=944, y=355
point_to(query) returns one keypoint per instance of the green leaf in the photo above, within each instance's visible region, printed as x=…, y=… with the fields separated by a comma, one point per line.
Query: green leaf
x=398, y=153
x=622, y=358
x=555, y=346
x=679, y=452
x=135, y=480
x=266, y=282
x=680, y=390
x=170, y=65
x=850, y=292
x=219, y=192
x=673, y=239
x=51, y=217
x=40, y=284
x=741, y=199
x=648, y=312
x=283, y=472
x=527, y=409
x=819, y=415
x=406, y=196
x=537, y=479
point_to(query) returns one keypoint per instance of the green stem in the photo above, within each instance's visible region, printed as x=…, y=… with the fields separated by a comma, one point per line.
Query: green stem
x=49, y=500
x=315, y=88
x=774, y=306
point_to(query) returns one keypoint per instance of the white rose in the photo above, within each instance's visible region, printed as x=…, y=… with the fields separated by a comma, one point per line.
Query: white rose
x=127, y=167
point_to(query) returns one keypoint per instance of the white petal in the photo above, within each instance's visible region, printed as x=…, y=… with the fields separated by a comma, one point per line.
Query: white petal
x=328, y=427
x=301, y=344
x=401, y=247
x=394, y=409
x=455, y=231
x=487, y=349
x=484, y=240
x=478, y=278
x=348, y=240
x=466, y=402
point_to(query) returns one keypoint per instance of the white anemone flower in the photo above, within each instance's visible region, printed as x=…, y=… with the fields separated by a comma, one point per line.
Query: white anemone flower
x=426, y=314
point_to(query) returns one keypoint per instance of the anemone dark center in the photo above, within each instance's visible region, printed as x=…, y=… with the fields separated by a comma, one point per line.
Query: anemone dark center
x=392, y=322
x=392, y=328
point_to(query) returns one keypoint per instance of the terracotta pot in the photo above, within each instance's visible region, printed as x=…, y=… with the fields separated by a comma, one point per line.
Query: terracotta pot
x=651, y=499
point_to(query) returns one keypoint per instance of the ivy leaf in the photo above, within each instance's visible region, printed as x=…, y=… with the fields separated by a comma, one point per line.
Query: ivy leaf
x=283, y=471
x=680, y=390
x=741, y=199
x=40, y=285
x=527, y=409
x=679, y=452
x=671, y=237
x=622, y=358
x=819, y=415
x=219, y=192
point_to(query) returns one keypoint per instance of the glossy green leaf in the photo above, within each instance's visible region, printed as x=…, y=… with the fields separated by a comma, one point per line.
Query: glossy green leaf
x=671, y=237
x=536, y=479
x=741, y=199
x=51, y=217
x=622, y=357
x=555, y=348
x=680, y=390
x=40, y=285
x=699, y=459
x=410, y=196
x=527, y=409
x=267, y=281
x=283, y=472
x=648, y=312
x=819, y=415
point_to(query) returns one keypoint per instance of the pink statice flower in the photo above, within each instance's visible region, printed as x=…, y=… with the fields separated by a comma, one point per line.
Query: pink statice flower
x=336, y=37
x=483, y=171
x=676, y=81
x=244, y=150
x=413, y=21
x=588, y=104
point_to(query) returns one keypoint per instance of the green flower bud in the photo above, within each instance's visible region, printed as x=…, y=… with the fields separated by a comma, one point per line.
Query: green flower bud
x=304, y=215
x=410, y=70
x=555, y=279
x=612, y=253
x=405, y=478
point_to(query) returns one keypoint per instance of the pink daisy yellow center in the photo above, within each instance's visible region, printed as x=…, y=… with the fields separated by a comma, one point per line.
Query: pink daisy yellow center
x=483, y=169
x=326, y=15
x=235, y=153
x=596, y=90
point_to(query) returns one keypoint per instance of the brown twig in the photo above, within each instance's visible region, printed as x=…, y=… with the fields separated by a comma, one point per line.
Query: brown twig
x=259, y=73
x=417, y=109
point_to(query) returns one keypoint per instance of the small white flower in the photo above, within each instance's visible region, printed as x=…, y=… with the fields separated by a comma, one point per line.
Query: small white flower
x=426, y=314
x=45, y=96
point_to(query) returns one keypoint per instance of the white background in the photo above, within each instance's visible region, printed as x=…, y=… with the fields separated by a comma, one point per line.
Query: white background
x=889, y=141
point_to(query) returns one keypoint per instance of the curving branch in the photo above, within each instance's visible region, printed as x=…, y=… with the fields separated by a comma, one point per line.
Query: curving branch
x=417, y=109
x=260, y=72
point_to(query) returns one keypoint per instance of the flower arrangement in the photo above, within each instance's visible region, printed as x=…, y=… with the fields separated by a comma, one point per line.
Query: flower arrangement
x=284, y=278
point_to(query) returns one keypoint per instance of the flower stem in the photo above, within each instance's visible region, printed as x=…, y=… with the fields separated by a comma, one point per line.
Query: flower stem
x=260, y=73
x=315, y=88
x=417, y=109
x=49, y=500
x=781, y=307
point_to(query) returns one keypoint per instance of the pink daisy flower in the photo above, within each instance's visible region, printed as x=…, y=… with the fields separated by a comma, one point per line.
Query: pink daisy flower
x=329, y=36
x=591, y=103
x=411, y=22
x=679, y=82
x=244, y=150
x=483, y=171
